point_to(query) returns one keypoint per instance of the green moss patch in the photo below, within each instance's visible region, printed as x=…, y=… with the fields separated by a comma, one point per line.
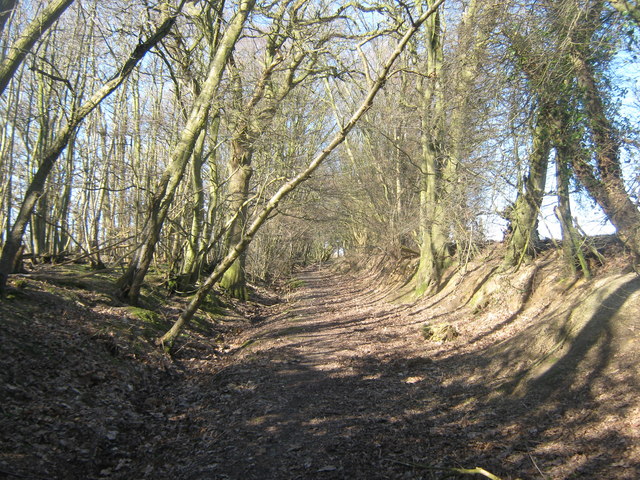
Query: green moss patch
x=295, y=283
x=439, y=332
x=151, y=322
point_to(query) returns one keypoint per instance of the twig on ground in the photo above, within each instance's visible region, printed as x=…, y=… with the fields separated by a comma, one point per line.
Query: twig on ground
x=537, y=468
x=464, y=471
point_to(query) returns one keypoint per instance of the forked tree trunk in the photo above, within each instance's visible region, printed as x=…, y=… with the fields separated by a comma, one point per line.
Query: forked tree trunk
x=571, y=240
x=523, y=214
x=564, y=135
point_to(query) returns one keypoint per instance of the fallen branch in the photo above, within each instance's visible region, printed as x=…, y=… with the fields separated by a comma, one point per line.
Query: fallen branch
x=463, y=471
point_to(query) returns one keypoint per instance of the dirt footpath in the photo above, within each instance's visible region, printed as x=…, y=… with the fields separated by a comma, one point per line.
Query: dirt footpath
x=341, y=385
x=335, y=383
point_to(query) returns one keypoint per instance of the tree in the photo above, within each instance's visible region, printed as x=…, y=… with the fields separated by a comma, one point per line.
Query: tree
x=564, y=81
x=168, y=339
x=435, y=168
x=578, y=27
x=447, y=92
x=64, y=134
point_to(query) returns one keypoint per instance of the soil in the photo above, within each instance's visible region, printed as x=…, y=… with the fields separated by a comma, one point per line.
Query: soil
x=333, y=380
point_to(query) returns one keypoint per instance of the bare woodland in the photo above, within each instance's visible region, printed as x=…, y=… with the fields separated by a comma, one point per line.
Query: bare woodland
x=167, y=134
x=203, y=147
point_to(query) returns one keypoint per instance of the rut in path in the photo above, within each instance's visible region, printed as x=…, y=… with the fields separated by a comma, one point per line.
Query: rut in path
x=331, y=388
x=341, y=385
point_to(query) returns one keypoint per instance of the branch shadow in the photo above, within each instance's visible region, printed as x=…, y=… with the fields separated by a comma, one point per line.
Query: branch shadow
x=281, y=413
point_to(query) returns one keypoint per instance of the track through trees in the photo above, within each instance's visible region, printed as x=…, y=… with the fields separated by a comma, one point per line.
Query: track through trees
x=340, y=384
x=335, y=382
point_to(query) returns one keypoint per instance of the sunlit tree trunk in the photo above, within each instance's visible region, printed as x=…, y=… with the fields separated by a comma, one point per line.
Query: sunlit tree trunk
x=207, y=254
x=40, y=221
x=523, y=214
x=189, y=270
x=256, y=114
x=436, y=168
x=239, y=175
x=131, y=282
x=62, y=234
x=7, y=159
x=196, y=245
x=604, y=183
x=572, y=241
x=63, y=135
x=565, y=137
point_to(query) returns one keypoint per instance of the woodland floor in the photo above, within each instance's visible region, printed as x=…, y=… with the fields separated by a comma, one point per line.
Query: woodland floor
x=332, y=382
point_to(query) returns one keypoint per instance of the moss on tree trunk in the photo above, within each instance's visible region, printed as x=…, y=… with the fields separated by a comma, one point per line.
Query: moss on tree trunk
x=233, y=280
x=523, y=214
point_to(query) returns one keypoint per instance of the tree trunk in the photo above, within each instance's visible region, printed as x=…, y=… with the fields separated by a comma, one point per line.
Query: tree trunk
x=436, y=168
x=62, y=238
x=523, y=214
x=64, y=134
x=571, y=239
x=240, y=173
x=131, y=282
x=564, y=140
x=190, y=265
x=605, y=184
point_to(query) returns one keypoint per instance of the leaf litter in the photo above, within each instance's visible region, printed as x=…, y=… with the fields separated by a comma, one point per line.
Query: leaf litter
x=335, y=383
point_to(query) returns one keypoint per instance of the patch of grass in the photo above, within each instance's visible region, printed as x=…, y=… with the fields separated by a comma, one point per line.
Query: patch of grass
x=142, y=314
x=152, y=323
x=296, y=283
